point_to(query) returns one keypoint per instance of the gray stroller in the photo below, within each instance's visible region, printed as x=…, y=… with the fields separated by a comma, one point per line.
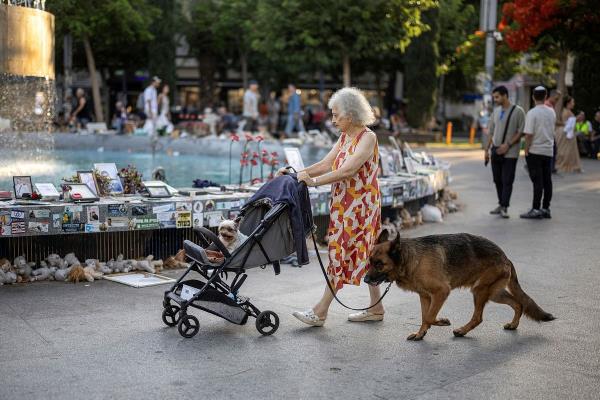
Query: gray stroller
x=269, y=240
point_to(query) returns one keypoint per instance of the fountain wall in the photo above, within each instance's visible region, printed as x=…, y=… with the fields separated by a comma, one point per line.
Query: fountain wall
x=27, y=90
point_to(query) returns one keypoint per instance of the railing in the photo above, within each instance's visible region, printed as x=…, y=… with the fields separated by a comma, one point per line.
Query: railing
x=37, y=4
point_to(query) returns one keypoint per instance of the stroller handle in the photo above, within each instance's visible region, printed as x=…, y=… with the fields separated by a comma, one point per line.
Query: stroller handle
x=207, y=233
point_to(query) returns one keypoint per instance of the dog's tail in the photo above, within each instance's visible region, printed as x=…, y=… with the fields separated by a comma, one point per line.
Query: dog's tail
x=530, y=308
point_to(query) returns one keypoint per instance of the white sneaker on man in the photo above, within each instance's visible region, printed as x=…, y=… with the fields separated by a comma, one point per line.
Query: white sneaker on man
x=365, y=315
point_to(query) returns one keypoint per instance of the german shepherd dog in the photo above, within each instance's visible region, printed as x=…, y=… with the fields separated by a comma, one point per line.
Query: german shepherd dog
x=434, y=265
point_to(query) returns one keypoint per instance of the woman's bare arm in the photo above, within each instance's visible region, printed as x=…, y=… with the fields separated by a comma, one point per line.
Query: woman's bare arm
x=364, y=151
x=324, y=166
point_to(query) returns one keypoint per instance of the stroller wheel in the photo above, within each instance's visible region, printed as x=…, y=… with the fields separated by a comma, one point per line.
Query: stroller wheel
x=267, y=322
x=188, y=326
x=170, y=315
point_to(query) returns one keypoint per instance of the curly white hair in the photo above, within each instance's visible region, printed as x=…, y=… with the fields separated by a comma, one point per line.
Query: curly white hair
x=351, y=102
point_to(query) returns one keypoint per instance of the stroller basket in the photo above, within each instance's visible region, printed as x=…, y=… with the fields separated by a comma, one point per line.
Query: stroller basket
x=215, y=302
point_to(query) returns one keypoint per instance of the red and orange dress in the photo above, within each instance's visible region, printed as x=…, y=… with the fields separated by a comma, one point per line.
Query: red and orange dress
x=355, y=217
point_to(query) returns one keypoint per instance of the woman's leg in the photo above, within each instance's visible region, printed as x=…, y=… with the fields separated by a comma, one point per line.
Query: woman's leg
x=375, y=294
x=322, y=307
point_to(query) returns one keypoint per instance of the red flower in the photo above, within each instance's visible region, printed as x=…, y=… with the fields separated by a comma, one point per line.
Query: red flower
x=265, y=160
x=234, y=137
x=254, y=154
x=256, y=180
x=274, y=154
x=249, y=137
x=254, y=162
x=259, y=138
x=264, y=152
x=245, y=154
x=243, y=162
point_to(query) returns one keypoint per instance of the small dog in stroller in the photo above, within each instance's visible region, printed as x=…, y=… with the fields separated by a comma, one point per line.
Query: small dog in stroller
x=269, y=239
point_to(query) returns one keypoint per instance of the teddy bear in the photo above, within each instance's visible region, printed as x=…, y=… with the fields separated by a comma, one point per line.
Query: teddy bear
x=43, y=273
x=62, y=273
x=7, y=274
x=390, y=228
x=23, y=269
x=157, y=265
x=407, y=220
x=144, y=264
x=54, y=260
x=71, y=260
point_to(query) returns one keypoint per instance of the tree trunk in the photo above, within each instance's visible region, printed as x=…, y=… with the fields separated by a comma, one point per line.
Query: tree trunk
x=206, y=69
x=561, y=82
x=346, y=61
x=89, y=55
x=244, y=64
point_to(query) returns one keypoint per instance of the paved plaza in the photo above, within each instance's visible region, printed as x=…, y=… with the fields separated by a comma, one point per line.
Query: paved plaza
x=107, y=341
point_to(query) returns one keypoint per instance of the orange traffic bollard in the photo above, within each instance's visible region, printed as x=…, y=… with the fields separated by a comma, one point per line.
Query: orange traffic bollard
x=449, y=133
x=472, y=135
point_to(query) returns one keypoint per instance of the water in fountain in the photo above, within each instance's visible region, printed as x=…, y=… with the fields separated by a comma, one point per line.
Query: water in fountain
x=26, y=121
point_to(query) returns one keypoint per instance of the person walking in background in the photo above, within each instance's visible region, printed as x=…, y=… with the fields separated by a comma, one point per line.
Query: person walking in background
x=552, y=101
x=151, y=106
x=294, y=111
x=567, y=153
x=82, y=114
x=274, y=108
x=539, y=141
x=120, y=117
x=164, y=115
x=250, y=111
x=505, y=128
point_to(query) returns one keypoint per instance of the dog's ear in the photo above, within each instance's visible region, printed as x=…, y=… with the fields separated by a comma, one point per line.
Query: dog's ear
x=383, y=236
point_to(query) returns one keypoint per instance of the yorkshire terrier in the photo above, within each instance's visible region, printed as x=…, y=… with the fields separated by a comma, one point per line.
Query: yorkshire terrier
x=230, y=235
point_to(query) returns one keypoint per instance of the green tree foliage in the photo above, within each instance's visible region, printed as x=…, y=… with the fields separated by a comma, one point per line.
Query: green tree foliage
x=421, y=73
x=161, y=50
x=106, y=30
x=586, y=76
x=336, y=32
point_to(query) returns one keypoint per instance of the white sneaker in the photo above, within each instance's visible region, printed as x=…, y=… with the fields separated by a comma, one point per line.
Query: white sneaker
x=309, y=317
x=365, y=315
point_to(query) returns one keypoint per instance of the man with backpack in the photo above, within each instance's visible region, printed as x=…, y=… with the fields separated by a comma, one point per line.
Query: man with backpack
x=505, y=131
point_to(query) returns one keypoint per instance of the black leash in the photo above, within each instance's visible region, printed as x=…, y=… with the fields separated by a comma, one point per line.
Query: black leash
x=329, y=283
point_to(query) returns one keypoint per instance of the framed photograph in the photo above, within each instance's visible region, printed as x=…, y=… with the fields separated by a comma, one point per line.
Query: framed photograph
x=294, y=158
x=158, y=191
x=22, y=185
x=80, y=192
x=47, y=190
x=89, y=179
x=110, y=170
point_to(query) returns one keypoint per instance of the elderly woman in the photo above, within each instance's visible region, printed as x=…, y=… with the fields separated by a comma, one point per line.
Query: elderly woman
x=355, y=220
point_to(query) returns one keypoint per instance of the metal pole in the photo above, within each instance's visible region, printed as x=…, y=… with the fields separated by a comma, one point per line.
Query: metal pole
x=488, y=21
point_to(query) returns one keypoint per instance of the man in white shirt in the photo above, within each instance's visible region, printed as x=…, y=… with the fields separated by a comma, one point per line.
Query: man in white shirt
x=539, y=144
x=250, y=112
x=151, y=105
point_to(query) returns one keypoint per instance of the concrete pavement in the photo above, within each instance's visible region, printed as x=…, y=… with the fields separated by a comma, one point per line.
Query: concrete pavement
x=105, y=340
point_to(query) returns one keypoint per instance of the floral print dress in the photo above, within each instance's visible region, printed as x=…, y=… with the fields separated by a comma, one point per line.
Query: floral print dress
x=355, y=217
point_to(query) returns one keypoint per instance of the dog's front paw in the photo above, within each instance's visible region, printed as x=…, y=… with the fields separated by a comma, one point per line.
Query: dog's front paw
x=442, y=322
x=510, y=326
x=416, y=336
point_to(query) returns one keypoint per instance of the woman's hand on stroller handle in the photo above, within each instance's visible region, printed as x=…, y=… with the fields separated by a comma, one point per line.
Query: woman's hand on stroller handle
x=285, y=170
